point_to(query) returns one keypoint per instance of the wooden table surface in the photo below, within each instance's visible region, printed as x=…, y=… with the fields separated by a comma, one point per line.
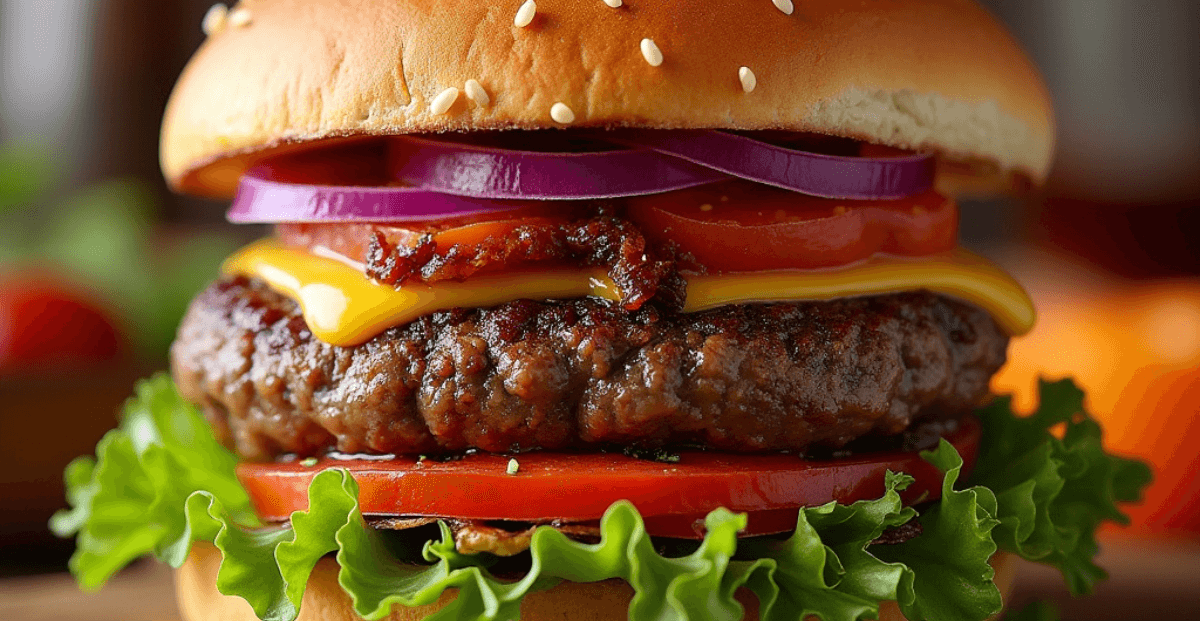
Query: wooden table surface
x=1151, y=579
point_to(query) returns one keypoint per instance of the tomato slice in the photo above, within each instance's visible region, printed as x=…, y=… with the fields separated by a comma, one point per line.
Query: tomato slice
x=579, y=487
x=728, y=226
x=743, y=226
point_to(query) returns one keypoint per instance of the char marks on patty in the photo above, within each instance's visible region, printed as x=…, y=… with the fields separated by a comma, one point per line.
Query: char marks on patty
x=583, y=374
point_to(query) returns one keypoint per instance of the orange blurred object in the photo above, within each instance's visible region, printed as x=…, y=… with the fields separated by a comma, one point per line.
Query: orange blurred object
x=1135, y=348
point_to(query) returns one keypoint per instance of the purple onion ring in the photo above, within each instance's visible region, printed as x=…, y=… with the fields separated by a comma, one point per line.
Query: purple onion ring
x=263, y=200
x=453, y=180
x=810, y=173
x=492, y=173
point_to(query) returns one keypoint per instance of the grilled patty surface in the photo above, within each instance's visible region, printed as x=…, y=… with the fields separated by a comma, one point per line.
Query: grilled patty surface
x=583, y=374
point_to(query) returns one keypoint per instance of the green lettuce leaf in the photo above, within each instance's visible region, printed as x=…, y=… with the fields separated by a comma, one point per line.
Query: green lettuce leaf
x=949, y=575
x=129, y=501
x=1054, y=492
x=824, y=569
x=161, y=481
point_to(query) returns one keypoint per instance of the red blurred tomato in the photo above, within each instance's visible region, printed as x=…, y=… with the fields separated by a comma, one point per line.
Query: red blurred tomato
x=44, y=324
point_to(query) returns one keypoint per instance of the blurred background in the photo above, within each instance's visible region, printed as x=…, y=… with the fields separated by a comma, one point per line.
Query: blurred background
x=98, y=260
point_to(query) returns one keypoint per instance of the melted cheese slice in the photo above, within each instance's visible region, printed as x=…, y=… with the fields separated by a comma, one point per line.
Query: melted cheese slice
x=343, y=307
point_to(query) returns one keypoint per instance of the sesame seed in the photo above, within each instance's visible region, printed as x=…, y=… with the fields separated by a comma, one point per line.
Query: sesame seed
x=308, y=462
x=785, y=6
x=214, y=19
x=706, y=207
x=616, y=4
x=476, y=93
x=240, y=17
x=443, y=102
x=749, y=81
x=562, y=114
x=525, y=14
x=651, y=52
x=513, y=467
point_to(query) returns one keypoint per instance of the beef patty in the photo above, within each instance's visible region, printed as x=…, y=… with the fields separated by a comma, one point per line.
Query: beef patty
x=582, y=374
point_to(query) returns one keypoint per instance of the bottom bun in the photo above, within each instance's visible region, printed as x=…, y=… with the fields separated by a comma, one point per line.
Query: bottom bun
x=324, y=599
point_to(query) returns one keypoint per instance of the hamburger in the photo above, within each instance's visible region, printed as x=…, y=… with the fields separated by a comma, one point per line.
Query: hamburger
x=594, y=310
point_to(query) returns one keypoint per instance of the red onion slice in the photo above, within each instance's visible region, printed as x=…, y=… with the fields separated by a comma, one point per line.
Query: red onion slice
x=454, y=180
x=802, y=171
x=493, y=173
x=262, y=200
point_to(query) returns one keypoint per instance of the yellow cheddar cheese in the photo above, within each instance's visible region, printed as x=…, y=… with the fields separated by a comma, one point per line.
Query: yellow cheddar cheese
x=343, y=307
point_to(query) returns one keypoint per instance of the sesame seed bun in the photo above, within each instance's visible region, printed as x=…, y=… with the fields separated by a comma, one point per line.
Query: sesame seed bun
x=939, y=75
x=324, y=599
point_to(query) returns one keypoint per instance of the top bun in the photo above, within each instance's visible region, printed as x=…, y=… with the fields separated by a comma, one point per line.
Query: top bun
x=936, y=75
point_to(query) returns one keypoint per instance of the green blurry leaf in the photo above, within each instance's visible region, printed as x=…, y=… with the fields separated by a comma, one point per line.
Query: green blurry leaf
x=103, y=231
x=1040, y=610
x=101, y=238
x=1054, y=493
x=26, y=173
x=178, y=278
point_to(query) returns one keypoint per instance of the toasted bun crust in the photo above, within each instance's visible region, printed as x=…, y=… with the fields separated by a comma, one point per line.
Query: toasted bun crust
x=937, y=75
x=324, y=599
